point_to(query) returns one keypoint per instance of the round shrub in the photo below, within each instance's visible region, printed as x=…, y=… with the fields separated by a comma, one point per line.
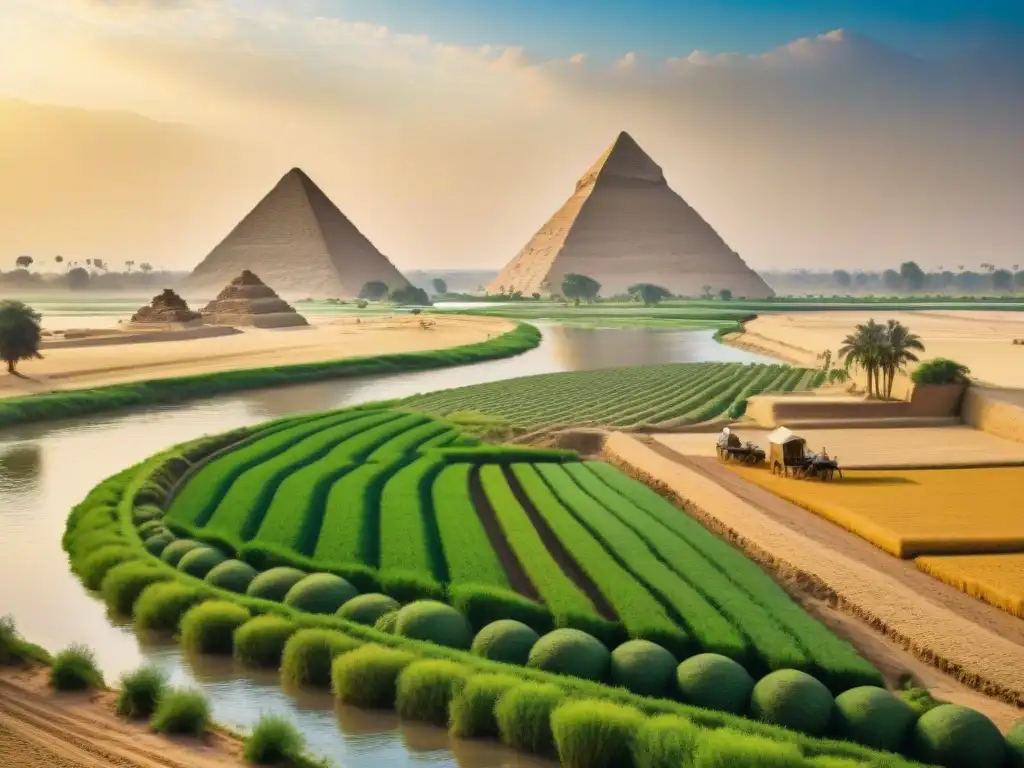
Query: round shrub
x=712, y=681
x=177, y=549
x=320, y=593
x=260, y=642
x=308, y=654
x=505, y=640
x=95, y=565
x=124, y=583
x=958, y=737
x=274, y=741
x=642, y=667
x=161, y=605
x=200, y=561
x=182, y=712
x=472, y=708
x=793, y=699
x=570, y=652
x=88, y=542
x=874, y=717
x=150, y=527
x=595, y=734
x=140, y=692
x=426, y=688
x=386, y=623
x=210, y=627
x=155, y=545
x=232, y=575
x=523, y=714
x=366, y=609
x=275, y=583
x=434, y=622
x=368, y=676
x=74, y=669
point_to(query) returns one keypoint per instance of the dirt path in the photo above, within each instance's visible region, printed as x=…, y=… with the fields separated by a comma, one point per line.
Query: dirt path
x=40, y=729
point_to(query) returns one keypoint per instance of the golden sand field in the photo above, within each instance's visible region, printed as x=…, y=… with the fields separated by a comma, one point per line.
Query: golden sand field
x=996, y=579
x=914, y=512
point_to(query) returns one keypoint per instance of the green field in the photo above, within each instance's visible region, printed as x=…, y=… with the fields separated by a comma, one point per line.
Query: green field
x=664, y=396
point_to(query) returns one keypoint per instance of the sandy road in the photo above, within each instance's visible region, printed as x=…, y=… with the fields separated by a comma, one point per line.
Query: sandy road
x=40, y=729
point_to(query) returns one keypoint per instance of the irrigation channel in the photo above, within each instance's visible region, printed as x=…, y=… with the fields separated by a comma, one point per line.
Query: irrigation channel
x=47, y=468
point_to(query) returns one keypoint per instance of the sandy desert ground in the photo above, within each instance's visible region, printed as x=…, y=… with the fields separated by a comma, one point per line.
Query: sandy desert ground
x=96, y=366
x=40, y=729
x=980, y=339
x=878, y=448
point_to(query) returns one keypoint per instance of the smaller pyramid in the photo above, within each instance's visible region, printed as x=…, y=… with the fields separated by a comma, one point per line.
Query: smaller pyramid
x=166, y=308
x=247, y=300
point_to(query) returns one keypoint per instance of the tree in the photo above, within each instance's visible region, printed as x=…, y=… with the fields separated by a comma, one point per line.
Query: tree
x=706, y=292
x=864, y=348
x=146, y=267
x=862, y=279
x=1018, y=280
x=842, y=277
x=24, y=262
x=648, y=293
x=580, y=287
x=838, y=376
x=410, y=294
x=20, y=333
x=913, y=276
x=375, y=290
x=78, y=278
x=128, y=265
x=725, y=294
x=892, y=280
x=59, y=259
x=898, y=350
x=440, y=286
x=1002, y=280
x=99, y=264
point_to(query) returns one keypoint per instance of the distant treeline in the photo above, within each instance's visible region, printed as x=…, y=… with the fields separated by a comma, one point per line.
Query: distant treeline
x=909, y=278
x=88, y=274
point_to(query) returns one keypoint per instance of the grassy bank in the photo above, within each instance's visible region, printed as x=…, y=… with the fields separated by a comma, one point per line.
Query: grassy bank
x=58, y=405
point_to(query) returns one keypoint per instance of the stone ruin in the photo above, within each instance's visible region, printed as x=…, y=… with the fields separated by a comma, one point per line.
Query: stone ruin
x=167, y=308
x=247, y=300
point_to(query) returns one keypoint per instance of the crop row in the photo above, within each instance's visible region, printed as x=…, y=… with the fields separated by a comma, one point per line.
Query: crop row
x=658, y=395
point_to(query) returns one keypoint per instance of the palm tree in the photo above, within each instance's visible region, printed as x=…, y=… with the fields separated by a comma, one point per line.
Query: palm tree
x=900, y=345
x=19, y=333
x=864, y=348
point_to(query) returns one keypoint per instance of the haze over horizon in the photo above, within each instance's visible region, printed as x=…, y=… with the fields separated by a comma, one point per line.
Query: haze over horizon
x=856, y=136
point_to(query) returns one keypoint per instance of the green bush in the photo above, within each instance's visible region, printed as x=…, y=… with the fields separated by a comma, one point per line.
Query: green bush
x=712, y=681
x=366, y=609
x=124, y=583
x=1015, y=745
x=386, y=623
x=176, y=550
x=368, y=676
x=260, y=642
x=958, y=737
x=210, y=627
x=727, y=748
x=275, y=583
x=200, y=561
x=505, y=640
x=94, y=566
x=919, y=699
x=74, y=669
x=434, y=622
x=472, y=709
x=523, y=714
x=156, y=544
x=140, y=692
x=308, y=654
x=940, y=371
x=162, y=604
x=643, y=667
x=274, y=741
x=666, y=741
x=873, y=717
x=571, y=652
x=15, y=650
x=182, y=712
x=231, y=575
x=794, y=700
x=150, y=527
x=426, y=688
x=595, y=734
x=320, y=593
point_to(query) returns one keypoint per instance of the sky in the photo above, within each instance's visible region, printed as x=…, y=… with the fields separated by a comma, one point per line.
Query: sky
x=810, y=134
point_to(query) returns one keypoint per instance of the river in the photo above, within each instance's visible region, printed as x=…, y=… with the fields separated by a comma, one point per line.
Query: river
x=47, y=468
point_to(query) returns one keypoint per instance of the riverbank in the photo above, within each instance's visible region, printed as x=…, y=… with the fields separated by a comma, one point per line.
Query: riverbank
x=342, y=360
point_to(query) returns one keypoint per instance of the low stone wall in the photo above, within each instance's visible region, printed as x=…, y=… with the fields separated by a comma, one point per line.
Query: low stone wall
x=998, y=412
x=931, y=401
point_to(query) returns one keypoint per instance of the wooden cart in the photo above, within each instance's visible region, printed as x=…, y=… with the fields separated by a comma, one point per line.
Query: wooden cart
x=788, y=454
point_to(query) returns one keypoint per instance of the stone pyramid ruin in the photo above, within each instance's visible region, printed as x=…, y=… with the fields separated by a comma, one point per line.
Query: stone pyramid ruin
x=299, y=241
x=247, y=300
x=166, y=308
x=622, y=226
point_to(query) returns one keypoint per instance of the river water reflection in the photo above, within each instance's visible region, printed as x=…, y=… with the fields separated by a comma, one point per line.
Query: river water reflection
x=46, y=469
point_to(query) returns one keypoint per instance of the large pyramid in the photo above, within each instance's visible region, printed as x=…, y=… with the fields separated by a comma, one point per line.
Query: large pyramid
x=298, y=241
x=624, y=225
